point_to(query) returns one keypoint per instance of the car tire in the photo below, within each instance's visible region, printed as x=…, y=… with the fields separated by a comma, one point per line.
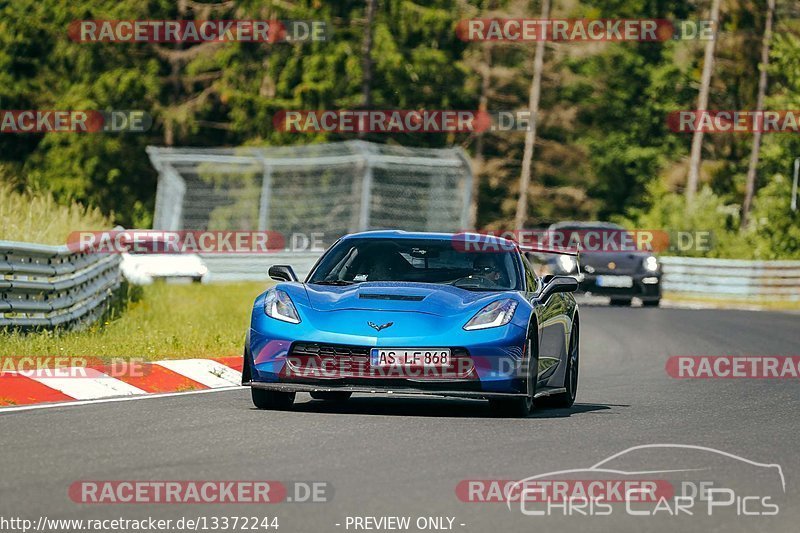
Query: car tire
x=566, y=399
x=651, y=303
x=334, y=396
x=246, y=376
x=621, y=302
x=269, y=399
x=511, y=408
x=517, y=407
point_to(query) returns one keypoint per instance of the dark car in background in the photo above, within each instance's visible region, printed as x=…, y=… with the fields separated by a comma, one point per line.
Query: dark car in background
x=613, y=262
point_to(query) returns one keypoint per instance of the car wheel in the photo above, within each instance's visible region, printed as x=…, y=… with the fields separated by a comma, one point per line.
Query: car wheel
x=331, y=396
x=517, y=407
x=246, y=377
x=621, y=302
x=512, y=407
x=651, y=303
x=270, y=399
x=567, y=398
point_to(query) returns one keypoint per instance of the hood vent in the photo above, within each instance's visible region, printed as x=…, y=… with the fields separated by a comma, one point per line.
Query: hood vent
x=401, y=297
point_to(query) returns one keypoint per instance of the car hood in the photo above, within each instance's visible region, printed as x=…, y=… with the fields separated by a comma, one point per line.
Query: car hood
x=434, y=299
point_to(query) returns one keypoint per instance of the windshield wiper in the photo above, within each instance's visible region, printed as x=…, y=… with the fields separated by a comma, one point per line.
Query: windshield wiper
x=334, y=282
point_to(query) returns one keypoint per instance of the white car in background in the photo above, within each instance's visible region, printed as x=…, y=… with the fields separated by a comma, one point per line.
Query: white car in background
x=142, y=268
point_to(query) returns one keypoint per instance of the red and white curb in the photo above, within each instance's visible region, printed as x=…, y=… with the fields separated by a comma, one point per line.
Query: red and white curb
x=159, y=378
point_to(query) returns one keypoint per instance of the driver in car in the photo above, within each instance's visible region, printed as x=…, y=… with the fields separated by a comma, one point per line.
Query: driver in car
x=485, y=266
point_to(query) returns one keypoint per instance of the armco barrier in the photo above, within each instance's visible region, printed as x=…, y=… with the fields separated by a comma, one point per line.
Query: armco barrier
x=714, y=278
x=241, y=267
x=51, y=286
x=732, y=278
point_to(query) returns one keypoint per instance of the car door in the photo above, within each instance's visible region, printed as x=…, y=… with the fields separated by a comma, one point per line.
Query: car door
x=551, y=319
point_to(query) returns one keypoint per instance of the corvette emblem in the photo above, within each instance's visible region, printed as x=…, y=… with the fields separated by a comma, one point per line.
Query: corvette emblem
x=377, y=327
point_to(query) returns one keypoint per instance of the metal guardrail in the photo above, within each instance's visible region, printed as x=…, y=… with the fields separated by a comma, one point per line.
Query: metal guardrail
x=732, y=278
x=52, y=286
x=714, y=278
x=245, y=267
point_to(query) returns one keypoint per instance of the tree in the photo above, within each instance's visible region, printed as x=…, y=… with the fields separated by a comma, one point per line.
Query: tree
x=702, y=105
x=530, y=134
x=762, y=89
x=485, y=69
x=366, y=60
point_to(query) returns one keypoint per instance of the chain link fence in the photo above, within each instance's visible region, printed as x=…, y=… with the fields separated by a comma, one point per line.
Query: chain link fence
x=333, y=188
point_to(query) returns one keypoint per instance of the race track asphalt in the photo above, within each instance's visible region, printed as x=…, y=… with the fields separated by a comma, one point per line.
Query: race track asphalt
x=401, y=456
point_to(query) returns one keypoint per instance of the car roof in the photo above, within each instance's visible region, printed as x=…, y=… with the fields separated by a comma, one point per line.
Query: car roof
x=401, y=234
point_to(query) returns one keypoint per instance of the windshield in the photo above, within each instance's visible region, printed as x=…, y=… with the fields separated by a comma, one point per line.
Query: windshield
x=417, y=260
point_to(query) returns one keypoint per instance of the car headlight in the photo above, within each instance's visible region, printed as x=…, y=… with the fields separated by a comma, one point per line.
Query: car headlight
x=495, y=314
x=279, y=306
x=567, y=263
x=651, y=264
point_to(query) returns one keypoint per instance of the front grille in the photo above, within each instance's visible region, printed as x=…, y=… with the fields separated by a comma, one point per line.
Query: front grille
x=329, y=350
x=348, y=359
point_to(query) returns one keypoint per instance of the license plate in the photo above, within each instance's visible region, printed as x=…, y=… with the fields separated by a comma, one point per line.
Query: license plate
x=410, y=357
x=619, y=282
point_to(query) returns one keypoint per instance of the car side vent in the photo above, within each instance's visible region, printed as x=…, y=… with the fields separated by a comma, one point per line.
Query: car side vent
x=402, y=297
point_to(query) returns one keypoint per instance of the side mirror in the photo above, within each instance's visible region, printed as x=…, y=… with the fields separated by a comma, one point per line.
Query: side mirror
x=558, y=284
x=282, y=273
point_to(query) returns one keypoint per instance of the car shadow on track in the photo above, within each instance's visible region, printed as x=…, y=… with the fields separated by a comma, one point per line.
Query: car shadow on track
x=434, y=407
x=578, y=408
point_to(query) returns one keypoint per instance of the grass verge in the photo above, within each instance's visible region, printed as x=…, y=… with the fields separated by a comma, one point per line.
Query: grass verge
x=168, y=322
x=733, y=303
x=39, y=218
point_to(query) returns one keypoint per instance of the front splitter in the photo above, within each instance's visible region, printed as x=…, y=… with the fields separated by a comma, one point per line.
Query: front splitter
x=303, y=387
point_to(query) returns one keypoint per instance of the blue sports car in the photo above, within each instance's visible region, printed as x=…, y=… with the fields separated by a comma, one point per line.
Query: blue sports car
x=461, y=315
